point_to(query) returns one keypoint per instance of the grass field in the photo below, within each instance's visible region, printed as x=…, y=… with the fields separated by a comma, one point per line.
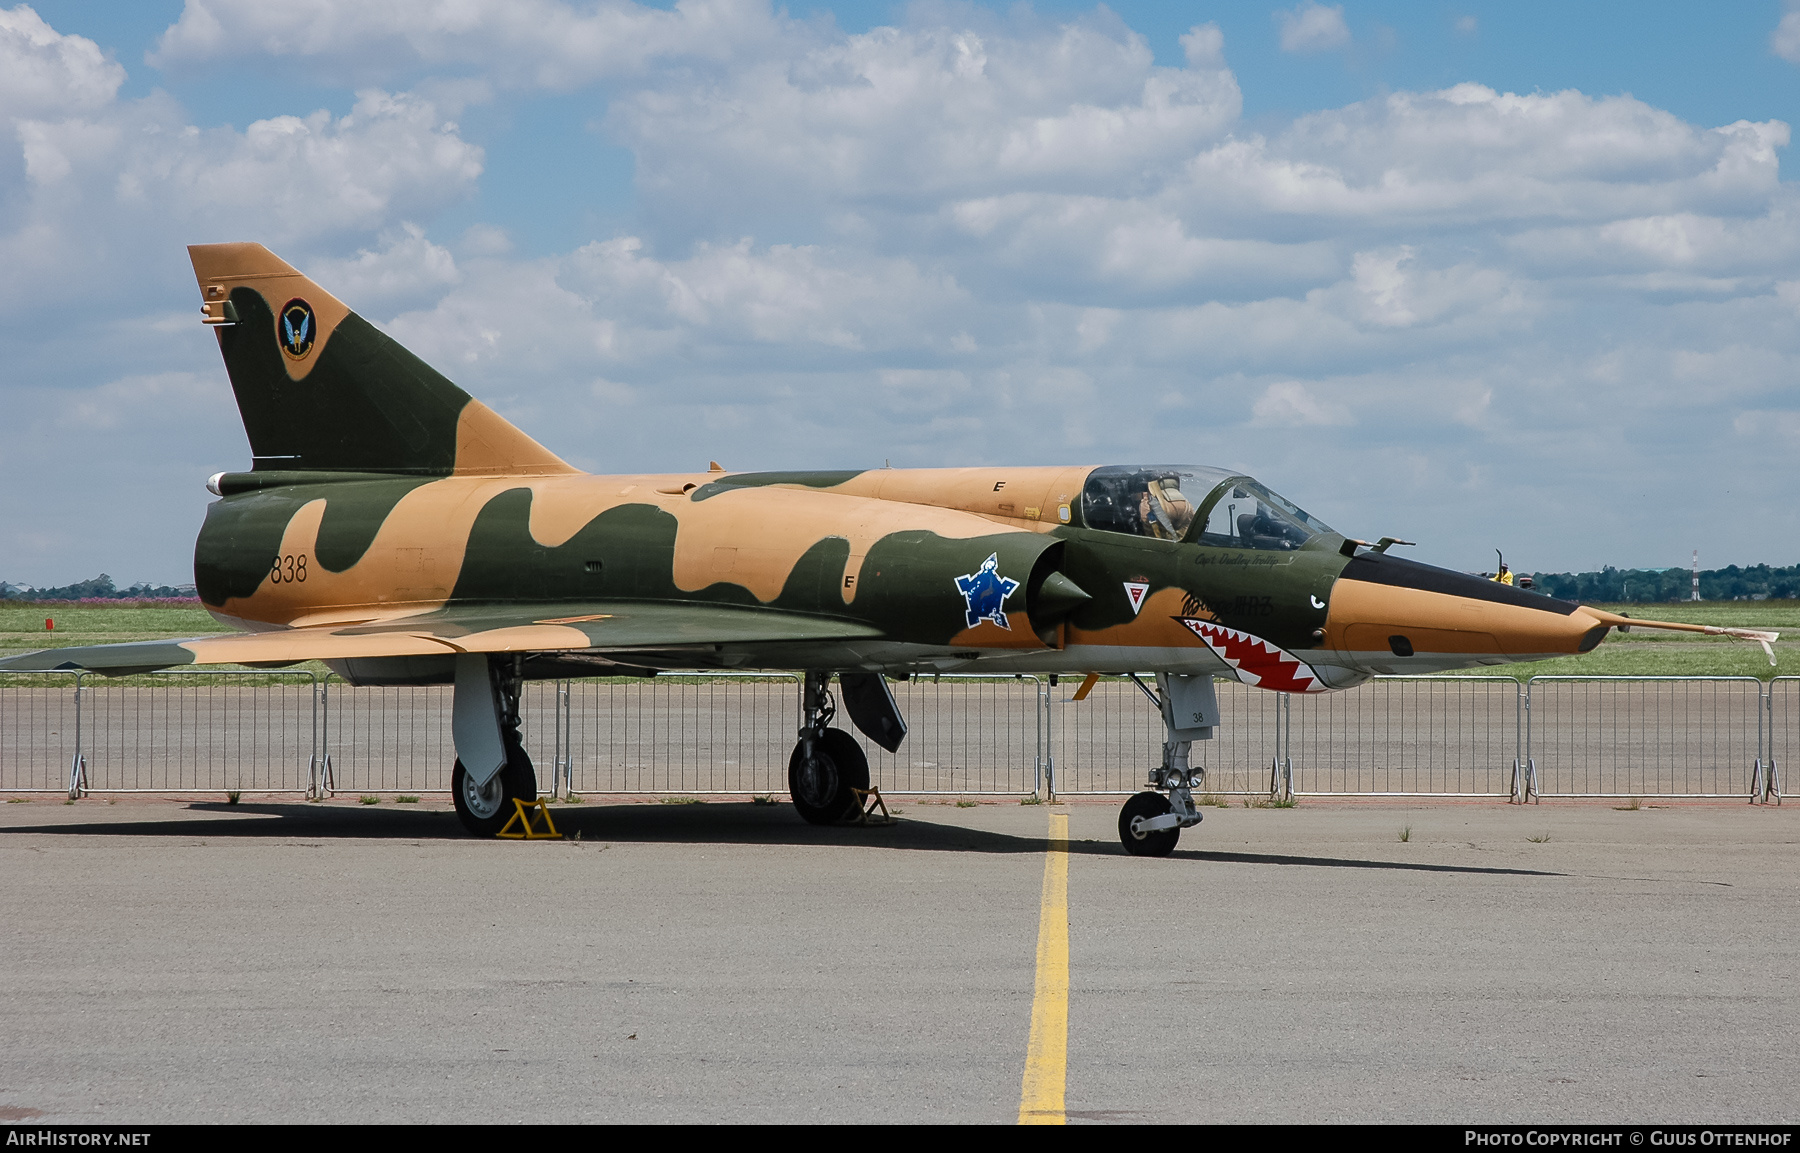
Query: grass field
x=1638, y=653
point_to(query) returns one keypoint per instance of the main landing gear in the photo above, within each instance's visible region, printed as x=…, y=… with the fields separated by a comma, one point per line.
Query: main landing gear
x=486, y=723
x=827, y=764
x=1151, y=822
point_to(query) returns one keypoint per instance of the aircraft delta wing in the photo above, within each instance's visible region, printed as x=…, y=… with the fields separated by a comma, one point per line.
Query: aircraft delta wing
x=401, y=531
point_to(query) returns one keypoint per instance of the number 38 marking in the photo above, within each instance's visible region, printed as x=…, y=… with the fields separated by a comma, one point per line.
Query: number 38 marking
x=289, y=569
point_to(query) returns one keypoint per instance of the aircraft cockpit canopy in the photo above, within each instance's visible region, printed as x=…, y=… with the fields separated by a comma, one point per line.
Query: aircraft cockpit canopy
x=1163, y=502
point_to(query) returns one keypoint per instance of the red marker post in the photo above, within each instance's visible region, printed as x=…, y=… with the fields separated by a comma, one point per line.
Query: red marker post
x=49, y=625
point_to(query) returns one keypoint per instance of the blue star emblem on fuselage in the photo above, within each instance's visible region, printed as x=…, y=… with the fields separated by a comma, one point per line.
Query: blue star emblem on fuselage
x=984, y=593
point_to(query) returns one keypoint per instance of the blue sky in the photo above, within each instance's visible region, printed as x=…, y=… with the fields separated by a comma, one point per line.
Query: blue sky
x=1523, y=275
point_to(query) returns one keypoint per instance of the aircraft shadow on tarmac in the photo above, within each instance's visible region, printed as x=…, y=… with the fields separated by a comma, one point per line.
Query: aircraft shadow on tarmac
x=718, y=823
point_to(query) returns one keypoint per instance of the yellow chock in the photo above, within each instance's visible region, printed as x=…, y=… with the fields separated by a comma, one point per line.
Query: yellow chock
x=868, y=801
x=522, y=819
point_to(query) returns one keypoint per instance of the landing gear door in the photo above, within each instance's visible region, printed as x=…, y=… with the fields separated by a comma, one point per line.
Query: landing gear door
x=475, y=719
x=1190, y=707
x=872, y=708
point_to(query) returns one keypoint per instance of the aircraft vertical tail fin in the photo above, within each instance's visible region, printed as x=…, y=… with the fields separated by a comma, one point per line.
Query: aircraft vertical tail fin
x=322, y=389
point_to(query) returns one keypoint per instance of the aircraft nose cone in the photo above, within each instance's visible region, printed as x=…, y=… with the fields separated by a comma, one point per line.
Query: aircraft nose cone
x=1388, y=607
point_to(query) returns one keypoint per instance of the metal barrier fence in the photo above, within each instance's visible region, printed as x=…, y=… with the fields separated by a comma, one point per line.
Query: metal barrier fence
x=1782, y=713
x=1407, y=736
x=222, y=730
x=1639, y=736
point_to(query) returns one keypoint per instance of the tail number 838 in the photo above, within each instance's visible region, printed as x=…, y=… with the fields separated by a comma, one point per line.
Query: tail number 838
x=289, y=569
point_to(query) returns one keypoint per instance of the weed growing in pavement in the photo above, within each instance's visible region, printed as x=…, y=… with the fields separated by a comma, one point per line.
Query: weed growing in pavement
x=1540, y=839
x=574, y=799
x=1406, y=834
x=370, y=800
x=1631, y=807
x=18, y=800
x=1032, y=800
x=231, y=798
x=1205, y=799
x=682, y=801
x=768, y=800
x=967, y=804
x=406, y=800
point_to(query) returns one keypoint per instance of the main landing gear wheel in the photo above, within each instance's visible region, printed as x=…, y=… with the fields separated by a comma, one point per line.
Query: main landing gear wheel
x=821, y=783
x=1157, y=843
x=485, y=811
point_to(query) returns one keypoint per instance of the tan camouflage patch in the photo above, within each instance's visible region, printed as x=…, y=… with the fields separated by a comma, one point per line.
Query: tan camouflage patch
x=219, y=268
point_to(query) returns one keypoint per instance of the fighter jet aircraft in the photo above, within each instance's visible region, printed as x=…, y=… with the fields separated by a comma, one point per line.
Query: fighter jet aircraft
x=401, y=531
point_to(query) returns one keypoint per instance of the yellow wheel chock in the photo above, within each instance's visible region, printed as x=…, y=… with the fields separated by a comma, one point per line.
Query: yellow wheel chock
x=867, y=802
x=521, y=818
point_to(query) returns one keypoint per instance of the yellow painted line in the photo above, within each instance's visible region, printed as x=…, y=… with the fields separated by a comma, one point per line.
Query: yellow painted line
x=1047, y=1053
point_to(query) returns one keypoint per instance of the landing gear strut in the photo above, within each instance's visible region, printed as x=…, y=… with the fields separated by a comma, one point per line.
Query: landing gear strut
x=827, y=763
x=485, y=807
x=1150, y=823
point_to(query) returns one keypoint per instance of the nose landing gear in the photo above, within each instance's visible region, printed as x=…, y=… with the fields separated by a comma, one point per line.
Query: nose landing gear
x=1151, y=822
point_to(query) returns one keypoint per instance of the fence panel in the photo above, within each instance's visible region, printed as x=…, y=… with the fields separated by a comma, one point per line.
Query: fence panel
x=396, y=738
x=1404, y=736
x=723, y=733
x=713, y=733
x=1643, y=736
x=965, y=734
x=201, y=730
x=1782, y=740
x=38, y=723
x=1109, y=742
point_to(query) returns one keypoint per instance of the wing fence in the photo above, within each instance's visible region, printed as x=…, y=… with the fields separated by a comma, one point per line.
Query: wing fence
x=211, y=731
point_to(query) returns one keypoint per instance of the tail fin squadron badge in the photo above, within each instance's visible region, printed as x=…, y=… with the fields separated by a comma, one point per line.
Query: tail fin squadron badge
x=984, y=593
x=1256, y=661
x=1135, y=592
x=297, y=328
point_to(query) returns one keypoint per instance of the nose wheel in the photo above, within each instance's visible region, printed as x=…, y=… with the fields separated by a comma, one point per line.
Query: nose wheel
x=1150, y=823
x=1136, y=829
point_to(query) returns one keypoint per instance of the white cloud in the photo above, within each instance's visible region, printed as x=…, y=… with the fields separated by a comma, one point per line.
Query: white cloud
x=1290, y=404
x=1780, y=430
x=531, y=43
x=1312, y=27
x=406, y=270
x=1785, y=40
x=46, y=73
x=899, y=119
x=130, y=182
x=1469, y=153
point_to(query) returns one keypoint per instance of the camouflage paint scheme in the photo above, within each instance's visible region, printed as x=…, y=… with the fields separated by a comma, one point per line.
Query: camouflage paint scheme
x=390, y=521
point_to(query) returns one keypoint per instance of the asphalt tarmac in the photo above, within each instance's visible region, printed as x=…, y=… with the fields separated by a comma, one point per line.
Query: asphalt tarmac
x=166, y=961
